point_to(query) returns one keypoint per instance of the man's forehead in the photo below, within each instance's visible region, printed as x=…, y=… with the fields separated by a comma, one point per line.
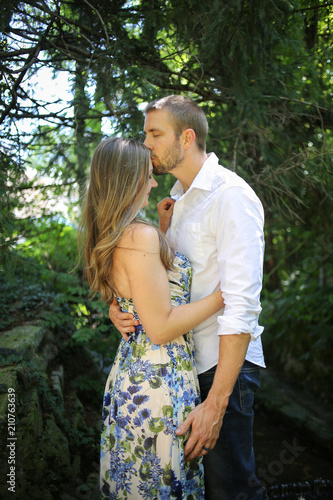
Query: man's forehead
x=158, y=119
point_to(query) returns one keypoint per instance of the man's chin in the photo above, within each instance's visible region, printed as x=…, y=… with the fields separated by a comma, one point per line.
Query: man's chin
x=156, y=171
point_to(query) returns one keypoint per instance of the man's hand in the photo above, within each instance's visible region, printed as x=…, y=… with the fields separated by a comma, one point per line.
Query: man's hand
x=205, y=422
x=124, y=322
x=165, y=210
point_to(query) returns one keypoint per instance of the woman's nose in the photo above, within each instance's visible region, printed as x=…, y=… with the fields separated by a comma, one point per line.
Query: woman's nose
x=146, y=143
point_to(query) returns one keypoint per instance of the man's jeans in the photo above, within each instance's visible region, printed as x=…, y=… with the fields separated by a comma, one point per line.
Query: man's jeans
x=230, y=466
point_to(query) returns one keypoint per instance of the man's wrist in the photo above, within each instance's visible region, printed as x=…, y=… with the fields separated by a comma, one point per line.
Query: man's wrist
x=217, y=401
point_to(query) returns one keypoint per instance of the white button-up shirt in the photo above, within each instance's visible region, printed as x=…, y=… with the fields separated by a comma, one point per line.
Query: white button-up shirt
x=218, y=224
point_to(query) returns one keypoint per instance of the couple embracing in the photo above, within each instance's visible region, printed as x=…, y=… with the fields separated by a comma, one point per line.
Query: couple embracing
x=178, y=403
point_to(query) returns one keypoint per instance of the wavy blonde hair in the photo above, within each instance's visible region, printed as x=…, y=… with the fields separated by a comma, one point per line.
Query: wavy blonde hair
x=119, y=174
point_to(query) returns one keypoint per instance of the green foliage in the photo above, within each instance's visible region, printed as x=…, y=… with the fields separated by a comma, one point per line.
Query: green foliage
x=299, y=338
x=297, y=303
x=262, y=71
x=57, y=243
x=11, y=177
x=49, y=289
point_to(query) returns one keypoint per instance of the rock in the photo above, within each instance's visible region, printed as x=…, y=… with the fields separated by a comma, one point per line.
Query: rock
x=21, y=342
x=53, y=443
x=8, y=380
x=57, y=382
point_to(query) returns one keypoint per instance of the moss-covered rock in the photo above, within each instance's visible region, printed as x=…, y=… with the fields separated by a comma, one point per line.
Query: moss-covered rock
x=8, y=385
x=22, y=341
x=53, y=443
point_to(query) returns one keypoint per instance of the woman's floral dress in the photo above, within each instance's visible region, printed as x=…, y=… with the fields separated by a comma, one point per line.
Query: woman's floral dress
x=149, y=392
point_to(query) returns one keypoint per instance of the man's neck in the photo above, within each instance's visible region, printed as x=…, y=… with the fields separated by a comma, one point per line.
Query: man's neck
x=187, y=172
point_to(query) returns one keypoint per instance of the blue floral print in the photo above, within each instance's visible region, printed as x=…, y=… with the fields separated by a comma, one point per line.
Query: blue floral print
x=149, y=392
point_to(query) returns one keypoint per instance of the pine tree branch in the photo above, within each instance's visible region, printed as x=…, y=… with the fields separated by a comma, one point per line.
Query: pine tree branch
x=30, y=61
x=313, y=7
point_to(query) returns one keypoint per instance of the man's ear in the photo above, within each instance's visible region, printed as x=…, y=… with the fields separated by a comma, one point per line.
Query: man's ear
x=188, y=138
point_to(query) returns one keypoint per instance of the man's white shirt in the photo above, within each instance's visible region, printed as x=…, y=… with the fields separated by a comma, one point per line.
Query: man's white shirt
x=218, y=224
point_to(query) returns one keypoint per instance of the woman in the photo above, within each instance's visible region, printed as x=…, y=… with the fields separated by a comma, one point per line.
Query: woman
x=153, y=384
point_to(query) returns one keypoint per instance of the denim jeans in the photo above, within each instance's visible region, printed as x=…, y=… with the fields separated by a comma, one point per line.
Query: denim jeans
x=230, y=466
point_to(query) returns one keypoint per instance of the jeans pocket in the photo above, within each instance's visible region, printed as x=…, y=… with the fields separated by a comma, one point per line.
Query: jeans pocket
x=248, y=383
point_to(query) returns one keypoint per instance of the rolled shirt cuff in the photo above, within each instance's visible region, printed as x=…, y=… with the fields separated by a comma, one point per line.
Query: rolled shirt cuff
x=232, y=326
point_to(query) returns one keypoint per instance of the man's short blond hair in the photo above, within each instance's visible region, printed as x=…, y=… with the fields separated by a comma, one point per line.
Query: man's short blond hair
x=184, y=113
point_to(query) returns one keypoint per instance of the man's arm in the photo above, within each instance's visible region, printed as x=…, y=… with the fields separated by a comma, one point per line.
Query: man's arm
x=206, y=419
x=124, y=322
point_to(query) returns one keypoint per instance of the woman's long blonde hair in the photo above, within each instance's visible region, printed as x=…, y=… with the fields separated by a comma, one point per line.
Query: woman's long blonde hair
x=119, y=174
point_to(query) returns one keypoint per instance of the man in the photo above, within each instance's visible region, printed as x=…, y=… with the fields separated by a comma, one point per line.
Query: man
x=217, y=222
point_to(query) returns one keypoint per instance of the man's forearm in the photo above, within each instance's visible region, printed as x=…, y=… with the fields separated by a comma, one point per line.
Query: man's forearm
x=232, y=354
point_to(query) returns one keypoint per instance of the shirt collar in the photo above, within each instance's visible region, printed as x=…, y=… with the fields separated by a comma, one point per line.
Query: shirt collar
x=203, y=179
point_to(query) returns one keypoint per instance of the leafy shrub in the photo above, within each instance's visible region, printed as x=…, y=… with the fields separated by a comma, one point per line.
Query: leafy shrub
x=298, y=337
x=46, y=286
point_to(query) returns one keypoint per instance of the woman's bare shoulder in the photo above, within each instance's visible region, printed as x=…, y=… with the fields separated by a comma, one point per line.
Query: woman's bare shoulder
x=141, y=237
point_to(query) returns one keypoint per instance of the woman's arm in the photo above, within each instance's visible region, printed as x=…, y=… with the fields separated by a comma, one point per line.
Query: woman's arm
x=165, y=211
x=150, y=291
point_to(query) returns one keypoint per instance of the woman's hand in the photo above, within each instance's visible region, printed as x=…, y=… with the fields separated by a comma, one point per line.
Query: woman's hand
x=165, y=210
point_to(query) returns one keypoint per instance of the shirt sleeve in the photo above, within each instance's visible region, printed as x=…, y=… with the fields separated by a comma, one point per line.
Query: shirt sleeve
x=239, y=223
